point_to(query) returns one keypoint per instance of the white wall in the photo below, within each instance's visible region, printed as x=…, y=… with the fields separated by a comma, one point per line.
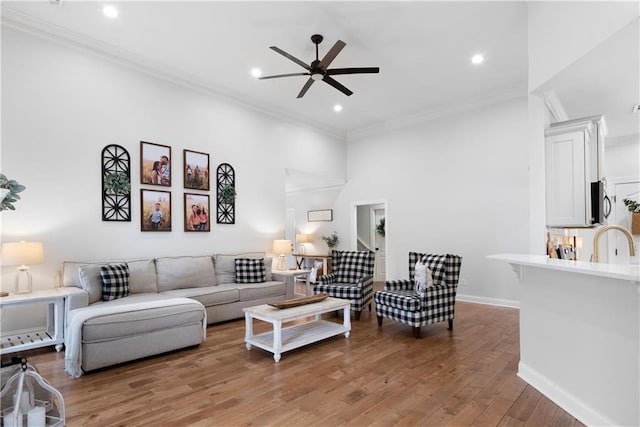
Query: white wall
x=61, y=106
x=458, y=185
x=572, y=29
x=622, y=160
x=304, y=201
x=364, y=224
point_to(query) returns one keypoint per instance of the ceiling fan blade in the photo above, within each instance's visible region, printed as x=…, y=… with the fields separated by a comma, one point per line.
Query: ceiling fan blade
x=292, y=58
x=331, y=55
x=282, y=75
x=305, y=88
x=337, y=85
x=361, y=70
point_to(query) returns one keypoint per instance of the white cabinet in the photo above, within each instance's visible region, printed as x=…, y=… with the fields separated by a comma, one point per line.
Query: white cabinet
x=574, y=156
x=568, y=175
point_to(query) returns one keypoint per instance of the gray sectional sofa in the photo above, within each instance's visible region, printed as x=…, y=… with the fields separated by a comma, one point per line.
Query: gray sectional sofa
x=170, y=298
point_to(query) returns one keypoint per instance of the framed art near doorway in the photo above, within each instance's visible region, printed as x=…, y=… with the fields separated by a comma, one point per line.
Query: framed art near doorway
x=320, y=215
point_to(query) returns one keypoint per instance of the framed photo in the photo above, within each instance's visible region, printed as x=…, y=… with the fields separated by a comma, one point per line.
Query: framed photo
x=155, y=210
x=196, y=170
x=321, y=215
x=196, y=212
x=155, y=164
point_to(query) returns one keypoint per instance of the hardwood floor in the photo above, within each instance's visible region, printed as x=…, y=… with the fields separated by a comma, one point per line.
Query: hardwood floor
x=376, y=377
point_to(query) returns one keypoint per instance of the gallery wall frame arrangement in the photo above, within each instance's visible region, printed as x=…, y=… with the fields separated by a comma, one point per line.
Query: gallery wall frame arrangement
x=155, y=164
x=196, y=212
x=155, y=210
x=196, y=170
x=225, y=194
x=320, y=215
x=116, y=183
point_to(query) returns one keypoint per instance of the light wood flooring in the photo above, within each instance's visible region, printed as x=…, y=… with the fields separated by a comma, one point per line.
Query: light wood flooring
x=376, y=377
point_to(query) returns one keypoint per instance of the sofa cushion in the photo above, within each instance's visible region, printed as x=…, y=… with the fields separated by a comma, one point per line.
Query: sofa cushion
x=115, y=281
x=142, y=274
x=138, y=322
x=211, y=295
x=226, y=265
x=185, y=272
x=91, y=281
x=254, y=291
x=250, y=270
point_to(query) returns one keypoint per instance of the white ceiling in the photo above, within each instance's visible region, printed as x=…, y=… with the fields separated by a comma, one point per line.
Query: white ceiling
x=423, y=50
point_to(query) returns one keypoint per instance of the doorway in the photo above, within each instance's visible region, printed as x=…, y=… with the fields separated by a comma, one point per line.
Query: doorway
x=617, y=243
x=369, y=232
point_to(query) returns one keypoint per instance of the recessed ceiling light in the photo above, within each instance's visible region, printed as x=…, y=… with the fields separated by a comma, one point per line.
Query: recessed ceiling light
x=256, y=72
x=477, y=59
x=337, y=108
x=110, y=11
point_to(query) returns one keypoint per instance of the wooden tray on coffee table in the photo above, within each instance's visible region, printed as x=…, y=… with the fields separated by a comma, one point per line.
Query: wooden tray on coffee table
x=299, y=301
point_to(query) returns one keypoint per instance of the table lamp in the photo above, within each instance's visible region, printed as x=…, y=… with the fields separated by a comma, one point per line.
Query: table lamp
x=282, y=247
x=302, y=239
x=22, y=254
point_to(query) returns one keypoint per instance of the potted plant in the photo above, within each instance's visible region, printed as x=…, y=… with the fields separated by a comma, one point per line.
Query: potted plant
x=117, y=183
x=9, y=190
x=634, y=208
x=228, y=194
x=380, y=227
x=331, y=240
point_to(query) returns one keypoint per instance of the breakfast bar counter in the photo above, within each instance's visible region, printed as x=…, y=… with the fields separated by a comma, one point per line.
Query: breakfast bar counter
x=580, y=335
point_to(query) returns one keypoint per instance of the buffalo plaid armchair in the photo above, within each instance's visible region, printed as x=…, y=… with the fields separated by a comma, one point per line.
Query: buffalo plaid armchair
x=400, y=301
x=352, y=279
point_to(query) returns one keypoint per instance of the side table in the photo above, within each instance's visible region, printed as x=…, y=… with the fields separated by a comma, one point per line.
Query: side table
x=52, y=334
x=326, y=261
x=290, y=276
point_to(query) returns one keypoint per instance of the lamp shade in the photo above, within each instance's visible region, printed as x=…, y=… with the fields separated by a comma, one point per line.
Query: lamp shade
x=304, y=238
x=282, y=247
x=22, y=253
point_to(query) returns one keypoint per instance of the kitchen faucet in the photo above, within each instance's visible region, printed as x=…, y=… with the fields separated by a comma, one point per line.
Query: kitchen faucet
x=596, y=238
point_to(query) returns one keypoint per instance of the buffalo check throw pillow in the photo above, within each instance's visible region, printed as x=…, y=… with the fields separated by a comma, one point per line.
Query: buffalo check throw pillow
x=250, y=270
x=115, y=281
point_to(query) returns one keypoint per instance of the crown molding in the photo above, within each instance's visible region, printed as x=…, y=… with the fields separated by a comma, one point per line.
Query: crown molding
x=441, y=111
x=305, y=190
x=16, y=20
x=320, y=182
x=555, y=106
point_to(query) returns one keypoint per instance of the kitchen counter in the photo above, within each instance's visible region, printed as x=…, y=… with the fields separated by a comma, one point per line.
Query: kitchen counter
x=615, y=271
x=580, y=335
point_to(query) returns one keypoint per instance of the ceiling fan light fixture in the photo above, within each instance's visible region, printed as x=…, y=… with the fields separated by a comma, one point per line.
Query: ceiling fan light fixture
x=319, y=69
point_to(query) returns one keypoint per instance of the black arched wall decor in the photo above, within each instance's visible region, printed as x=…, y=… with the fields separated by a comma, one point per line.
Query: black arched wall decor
x=115, y=206
x=226, y=210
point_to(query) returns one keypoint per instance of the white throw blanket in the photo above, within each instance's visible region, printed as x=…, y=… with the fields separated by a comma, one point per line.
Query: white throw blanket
x=77, y=317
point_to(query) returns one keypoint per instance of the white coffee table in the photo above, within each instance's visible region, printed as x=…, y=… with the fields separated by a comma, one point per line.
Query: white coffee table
x=284, y=339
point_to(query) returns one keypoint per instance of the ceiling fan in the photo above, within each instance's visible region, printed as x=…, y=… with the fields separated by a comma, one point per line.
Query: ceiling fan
x=319, y=69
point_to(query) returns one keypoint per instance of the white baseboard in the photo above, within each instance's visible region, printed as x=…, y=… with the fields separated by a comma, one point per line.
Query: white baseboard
x=567, y=401
x=488, y=301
